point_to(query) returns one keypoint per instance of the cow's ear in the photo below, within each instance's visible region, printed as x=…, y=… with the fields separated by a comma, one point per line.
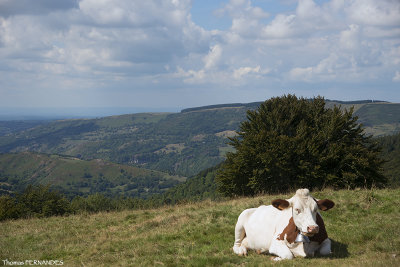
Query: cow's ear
x=325, y=204
x=280, y=204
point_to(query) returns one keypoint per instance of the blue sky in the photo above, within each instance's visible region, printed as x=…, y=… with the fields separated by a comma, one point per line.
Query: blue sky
x=157, y=54
x=205, y=13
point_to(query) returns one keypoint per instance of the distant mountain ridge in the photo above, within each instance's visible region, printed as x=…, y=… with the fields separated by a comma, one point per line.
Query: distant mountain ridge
x=253, y=105
x=183, y=143
x=357, y=101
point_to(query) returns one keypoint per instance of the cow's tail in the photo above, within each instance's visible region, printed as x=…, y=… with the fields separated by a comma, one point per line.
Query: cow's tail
x=239, y=246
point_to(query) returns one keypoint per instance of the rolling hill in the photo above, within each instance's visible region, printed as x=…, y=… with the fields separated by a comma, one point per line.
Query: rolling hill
x=178, y=143
x=182, y=143
x=74, y=176
x=380, y=119
x=15, y=126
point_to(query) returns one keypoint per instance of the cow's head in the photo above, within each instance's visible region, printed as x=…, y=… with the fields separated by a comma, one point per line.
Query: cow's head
x=304, y=209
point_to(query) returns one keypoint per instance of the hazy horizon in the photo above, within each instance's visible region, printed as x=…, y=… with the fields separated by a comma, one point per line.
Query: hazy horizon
x=51, y=113
x=43, y=113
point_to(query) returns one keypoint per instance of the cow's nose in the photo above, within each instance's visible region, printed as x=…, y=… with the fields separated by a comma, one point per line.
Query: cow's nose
x=313, y=229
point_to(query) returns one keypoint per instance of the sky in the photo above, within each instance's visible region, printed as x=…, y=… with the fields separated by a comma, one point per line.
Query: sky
x=173, y=54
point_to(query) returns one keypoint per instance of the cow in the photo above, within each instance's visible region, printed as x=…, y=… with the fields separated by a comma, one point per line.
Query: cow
x=287, y=228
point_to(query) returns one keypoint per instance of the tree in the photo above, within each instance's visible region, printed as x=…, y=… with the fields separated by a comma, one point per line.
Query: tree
x=40, y=201
x=391, y=155
x=34, y=201
x=291, y=142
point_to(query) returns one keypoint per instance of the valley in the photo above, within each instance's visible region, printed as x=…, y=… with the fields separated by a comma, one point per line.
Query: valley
x=142, y=154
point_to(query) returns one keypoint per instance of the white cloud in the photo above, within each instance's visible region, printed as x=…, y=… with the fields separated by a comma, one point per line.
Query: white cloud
x=110, y=36
x=283, y=26
x=239, y=73
x=396, y=77
x=349, y=37
x=243, y=9
x=128, y=45
x=122, y=13
x=212, y=58
x=379, y=32
x=13, y=7
x=370, y=12
x=308, y=9
x=245, y=17
x=326, y=70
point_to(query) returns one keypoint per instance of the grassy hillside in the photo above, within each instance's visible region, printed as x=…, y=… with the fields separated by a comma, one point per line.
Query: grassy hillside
x=363, y=227
x=380, y=118
x=10, y=127
x=178, y=143
x=79, y=177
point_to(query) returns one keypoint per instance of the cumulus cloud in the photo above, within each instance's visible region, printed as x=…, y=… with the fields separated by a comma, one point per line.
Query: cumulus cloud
x=125, y=37
x=349, y=37
x=240, y=72
x=40, y=7
x=370, y=12
x=283, y=26
x=357, y=49
x=212, y=58
x=125, y=45
x=245, y=17
x=325, y=70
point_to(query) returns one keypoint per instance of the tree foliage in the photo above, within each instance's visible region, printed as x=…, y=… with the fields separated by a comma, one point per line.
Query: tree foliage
x=291, y=142
x=199, y=187
x=34, y=201
x=391, y=155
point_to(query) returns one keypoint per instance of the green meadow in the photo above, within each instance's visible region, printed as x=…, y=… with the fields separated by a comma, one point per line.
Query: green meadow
x=364, y=228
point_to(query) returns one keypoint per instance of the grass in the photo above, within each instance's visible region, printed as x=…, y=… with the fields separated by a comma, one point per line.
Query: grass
x=363, y=226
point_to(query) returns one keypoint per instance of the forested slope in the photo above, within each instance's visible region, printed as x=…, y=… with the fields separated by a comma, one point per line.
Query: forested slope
x=182, y=143
x=391, y=154
x=74, y=176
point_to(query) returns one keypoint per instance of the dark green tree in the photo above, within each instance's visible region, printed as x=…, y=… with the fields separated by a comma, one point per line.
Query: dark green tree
x=291, y=142
x=391, y=154
x=40, y=201
x=34, y=201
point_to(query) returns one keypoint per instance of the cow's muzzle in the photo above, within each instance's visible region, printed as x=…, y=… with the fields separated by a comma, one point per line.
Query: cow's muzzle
x=312, y=229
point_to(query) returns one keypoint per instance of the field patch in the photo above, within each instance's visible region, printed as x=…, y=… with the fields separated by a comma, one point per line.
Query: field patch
x=172, y=148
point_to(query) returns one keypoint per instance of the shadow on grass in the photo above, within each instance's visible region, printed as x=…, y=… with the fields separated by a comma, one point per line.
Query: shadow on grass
x=339, y=250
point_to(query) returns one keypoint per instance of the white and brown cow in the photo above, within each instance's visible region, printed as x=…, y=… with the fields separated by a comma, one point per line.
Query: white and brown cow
x=274, y=228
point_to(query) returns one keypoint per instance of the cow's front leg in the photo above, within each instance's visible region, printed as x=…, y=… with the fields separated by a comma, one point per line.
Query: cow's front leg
x=241, y=248
x=279, y=248
x=325, y=247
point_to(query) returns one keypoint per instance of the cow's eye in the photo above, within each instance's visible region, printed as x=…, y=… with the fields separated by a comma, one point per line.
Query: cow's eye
x=298, y=211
